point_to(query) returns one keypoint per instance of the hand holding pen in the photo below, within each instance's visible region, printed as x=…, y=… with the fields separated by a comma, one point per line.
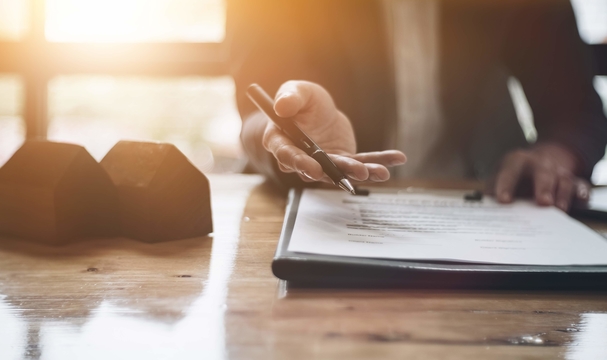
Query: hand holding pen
x=311, y=108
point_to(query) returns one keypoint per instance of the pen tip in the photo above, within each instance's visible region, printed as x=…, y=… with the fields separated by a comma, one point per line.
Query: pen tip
x=347, y=186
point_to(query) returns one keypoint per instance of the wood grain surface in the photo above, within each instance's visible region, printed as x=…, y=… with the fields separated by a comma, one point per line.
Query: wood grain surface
x=215, y=298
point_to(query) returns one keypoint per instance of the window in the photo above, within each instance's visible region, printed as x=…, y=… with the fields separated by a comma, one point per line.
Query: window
x=135, y=20
x=13, y=19
x=197, y=114
x=12, y=130
x=150, y=70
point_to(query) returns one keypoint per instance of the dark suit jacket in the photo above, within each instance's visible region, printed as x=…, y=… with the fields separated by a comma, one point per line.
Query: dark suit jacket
x=341, y=44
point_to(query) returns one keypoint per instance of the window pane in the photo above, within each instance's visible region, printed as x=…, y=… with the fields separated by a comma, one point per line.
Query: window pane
x=13, y=19
x=196, y=114
x=592, y=20
x=135, y=20
x=12, y=130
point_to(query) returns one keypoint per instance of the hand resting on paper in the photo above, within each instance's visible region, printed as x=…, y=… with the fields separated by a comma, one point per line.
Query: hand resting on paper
x=547, y=171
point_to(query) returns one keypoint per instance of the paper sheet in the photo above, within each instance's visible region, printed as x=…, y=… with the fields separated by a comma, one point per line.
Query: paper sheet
x=598, y=199
x=441, y=226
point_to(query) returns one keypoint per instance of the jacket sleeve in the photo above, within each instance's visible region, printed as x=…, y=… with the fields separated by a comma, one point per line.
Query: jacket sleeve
x=544, y=51
x=264, y=49
x=338, y=44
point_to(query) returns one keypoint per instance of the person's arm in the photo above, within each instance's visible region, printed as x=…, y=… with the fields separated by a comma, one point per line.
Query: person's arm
x=267, y=49
x=313, y=109
x=261, y=37
x=544, y=51
x=260, y=159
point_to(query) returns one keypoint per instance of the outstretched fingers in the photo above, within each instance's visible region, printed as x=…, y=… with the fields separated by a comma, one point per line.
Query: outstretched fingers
x=386, y=158
x=360, y=167
x=290, y=158
x=359, y=171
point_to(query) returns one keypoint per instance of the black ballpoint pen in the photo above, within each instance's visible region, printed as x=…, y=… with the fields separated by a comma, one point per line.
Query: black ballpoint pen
x=265, y=103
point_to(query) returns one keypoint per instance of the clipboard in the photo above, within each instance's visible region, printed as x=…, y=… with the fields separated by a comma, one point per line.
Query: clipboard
x=304, y=269
x=596, y=208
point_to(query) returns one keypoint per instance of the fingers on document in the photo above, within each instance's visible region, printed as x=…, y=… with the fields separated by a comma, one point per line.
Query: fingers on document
x=551, y=185
x=509, y=176
x=565, y=192
x=582, y=190
x=566, y=189
x=544, y=185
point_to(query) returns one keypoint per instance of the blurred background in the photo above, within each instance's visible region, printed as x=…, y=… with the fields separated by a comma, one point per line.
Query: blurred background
x=119, y=69
x=93, y=72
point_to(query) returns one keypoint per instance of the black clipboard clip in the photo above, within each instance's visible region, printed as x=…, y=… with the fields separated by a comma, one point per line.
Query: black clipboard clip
x=476, y=195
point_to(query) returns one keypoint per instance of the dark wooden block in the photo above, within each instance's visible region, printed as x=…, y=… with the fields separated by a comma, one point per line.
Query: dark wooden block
x=53, y=193
x=162, y=195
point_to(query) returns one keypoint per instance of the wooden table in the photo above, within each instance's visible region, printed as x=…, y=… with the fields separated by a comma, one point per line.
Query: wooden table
x=215, y=298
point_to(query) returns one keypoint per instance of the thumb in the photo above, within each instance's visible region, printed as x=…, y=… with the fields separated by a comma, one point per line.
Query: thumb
x=297, y=97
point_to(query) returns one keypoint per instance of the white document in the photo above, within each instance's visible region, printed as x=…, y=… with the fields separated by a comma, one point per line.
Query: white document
x=441, y=226
x=598, y=199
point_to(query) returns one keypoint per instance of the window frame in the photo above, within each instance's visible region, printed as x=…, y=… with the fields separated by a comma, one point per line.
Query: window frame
x=38, y=60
